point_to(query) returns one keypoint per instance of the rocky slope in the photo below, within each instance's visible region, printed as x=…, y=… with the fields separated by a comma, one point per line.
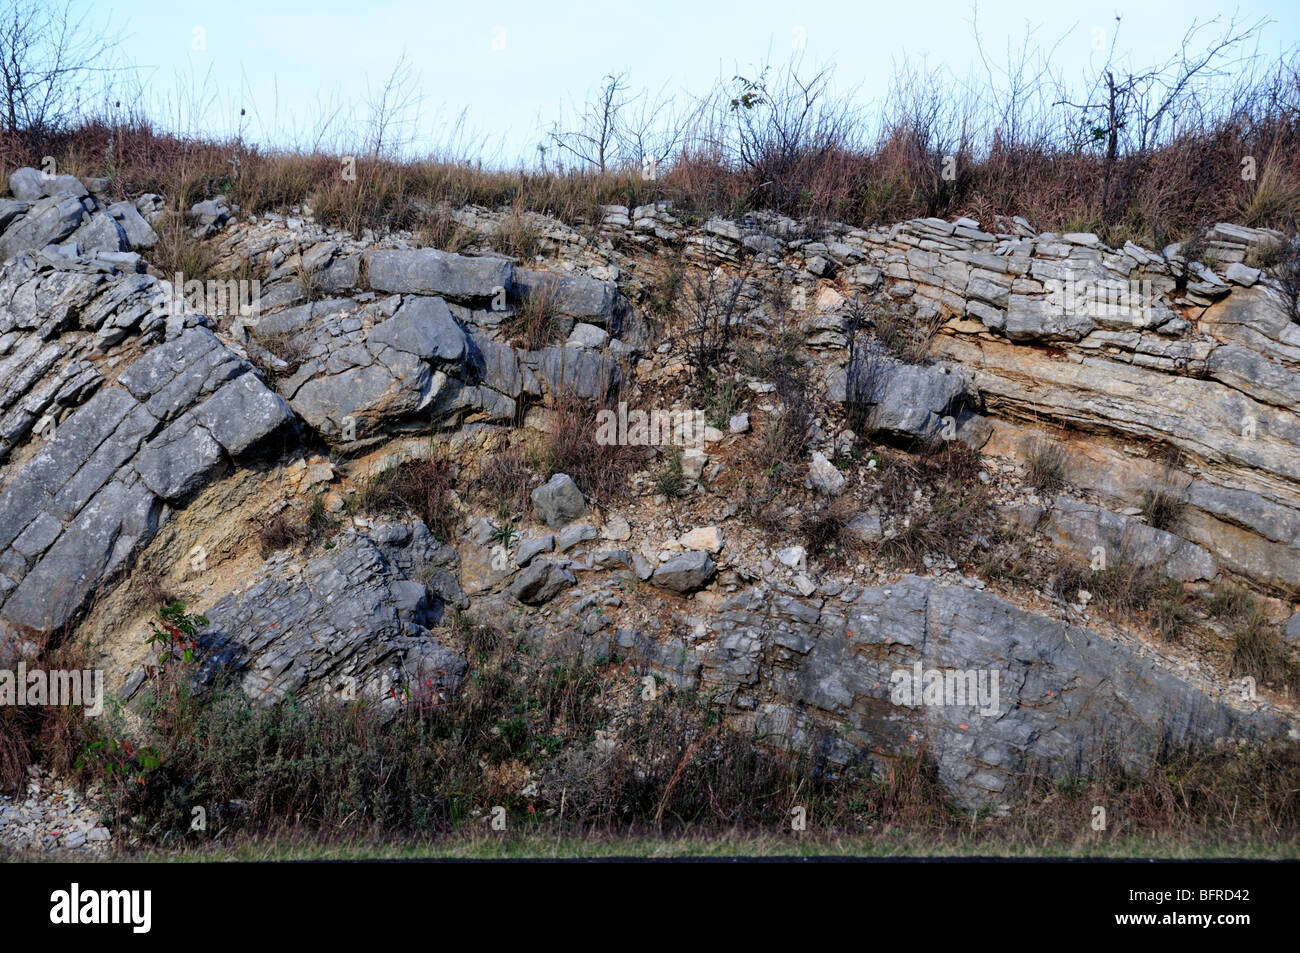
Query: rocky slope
x=146, y=437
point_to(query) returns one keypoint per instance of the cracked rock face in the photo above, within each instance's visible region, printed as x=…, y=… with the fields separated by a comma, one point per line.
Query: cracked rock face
x=432, y=348
x=816, y=667
x=99, y=484
x=48, y=209
x=366, y=366
x=352, y=622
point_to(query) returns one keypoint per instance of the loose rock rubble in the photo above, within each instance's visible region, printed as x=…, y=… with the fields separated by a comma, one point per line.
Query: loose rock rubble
x=52, y=818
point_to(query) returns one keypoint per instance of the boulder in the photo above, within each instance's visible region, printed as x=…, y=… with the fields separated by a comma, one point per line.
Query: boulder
x=101, y=233
x=541, y=582
x=578, y=371
x=423, y=327
x=558, y=501
x=427, y=271
x=49, y=220
x=685, y=573
x=824, y=476
x=575, y=296
x=574, y=534
x=179, y=460
x=29, y=185
x=139, y=234
x=1082, y=526
x=531, y=546
x=907, y=401
x=706, y=538
x=243, y=413
x=859, y=671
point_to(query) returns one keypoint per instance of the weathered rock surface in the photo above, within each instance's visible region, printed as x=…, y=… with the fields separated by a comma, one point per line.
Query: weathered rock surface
x=115, y=413
x=47, y=209
x=365, y=368
x=351, y=623
x=75, y=511
x=824, y=670
x=685, y=573
x=427, y=271
x=1084, y=526
x=558, y=501
x=541, y=582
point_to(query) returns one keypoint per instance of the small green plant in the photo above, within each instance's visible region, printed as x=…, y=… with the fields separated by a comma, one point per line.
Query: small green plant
x=505, y=534
x=118, y=760
x=175, y=632
x=670, y=481
x=721, y=399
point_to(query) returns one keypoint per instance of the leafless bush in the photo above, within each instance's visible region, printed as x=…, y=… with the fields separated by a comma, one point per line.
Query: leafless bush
x=602, y=471
x=619, y=130
x=48, y=53
x=710, y=300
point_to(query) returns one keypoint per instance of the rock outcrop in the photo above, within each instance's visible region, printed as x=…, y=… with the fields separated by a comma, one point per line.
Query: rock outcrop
x=1158, y=374
x=352, y=623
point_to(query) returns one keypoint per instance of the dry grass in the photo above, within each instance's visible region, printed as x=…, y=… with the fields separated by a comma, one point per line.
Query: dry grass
x=601, y=471
x=825, y=530
x=1044, y=464
x=296, y=526
x=421, y=487
x=1163, y=507
x=1255, y=647
x=48, y=735
x=535, y=323
x=793, y=149
x=504, y=480
x=1124, y=590
x=278, y=355
x=438, y=229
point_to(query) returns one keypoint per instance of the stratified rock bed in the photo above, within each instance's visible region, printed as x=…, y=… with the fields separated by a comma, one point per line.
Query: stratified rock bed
x=351, y=621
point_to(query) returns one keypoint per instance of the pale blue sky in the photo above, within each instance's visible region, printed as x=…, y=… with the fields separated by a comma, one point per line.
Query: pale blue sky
x=510, y=67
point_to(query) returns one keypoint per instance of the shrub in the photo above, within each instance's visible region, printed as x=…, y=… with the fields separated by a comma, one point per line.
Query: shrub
x=1163, y=507
x=535, y=323
x=669, y=481
x=719, y=398
x=503, y=480
x=292, y=526
x=825, y=529
x=1125, y=590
